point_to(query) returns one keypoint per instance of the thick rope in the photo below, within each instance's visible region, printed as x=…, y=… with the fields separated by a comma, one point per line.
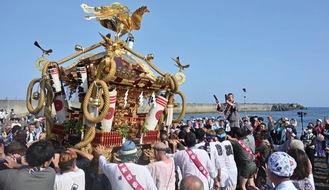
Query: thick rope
x=101, y=100
x=42, y=82
x=106, y=102
x=175, y=85
x=89, y=136
x=48, y=109
x=41, y=97
x=111, y=69
x=182, y=114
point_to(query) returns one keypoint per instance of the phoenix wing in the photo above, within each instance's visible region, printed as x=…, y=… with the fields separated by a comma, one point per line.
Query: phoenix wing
x=134, y=22
x=137, y=16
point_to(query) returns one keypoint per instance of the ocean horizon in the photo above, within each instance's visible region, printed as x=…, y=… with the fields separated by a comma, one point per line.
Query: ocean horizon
x=312, y=114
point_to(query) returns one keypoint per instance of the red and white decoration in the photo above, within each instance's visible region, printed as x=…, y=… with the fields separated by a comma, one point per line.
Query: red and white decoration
x=61, y=107
x=197, y=162
x=156, y=112
x=108, y=120
x=82, y=79
x=54, y=78
x=131, y=179
x=93, y=111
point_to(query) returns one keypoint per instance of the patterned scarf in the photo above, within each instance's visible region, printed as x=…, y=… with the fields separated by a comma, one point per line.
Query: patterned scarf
x=35, y=169
x=227, y=110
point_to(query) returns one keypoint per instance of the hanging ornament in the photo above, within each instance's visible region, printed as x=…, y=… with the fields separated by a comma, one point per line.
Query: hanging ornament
x=95, y=102
x=36, y=95
x=141, y=99
x=125, y=98
x=153, y=99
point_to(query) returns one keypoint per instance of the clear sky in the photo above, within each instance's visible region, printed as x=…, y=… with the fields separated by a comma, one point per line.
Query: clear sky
x=277, y=49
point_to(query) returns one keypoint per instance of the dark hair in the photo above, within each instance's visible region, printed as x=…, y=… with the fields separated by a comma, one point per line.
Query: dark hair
x=207, y=126
x=239, y=133
x=21, y=136
x=199, y=133
x=303, y=169
x=57, y=146
x=310, y=125
x=264, y=134
x=263, y=124
x=16, y=147
x=190, y=139
x=66, y=160
x=39, y=153
x=15, y=128
x=182, y=134
x=258, y=129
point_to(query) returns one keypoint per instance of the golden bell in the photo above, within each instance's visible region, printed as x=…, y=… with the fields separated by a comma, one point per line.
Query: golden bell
x=78, y=48
x=150, y=57
x=36, y=95
x=95, y=102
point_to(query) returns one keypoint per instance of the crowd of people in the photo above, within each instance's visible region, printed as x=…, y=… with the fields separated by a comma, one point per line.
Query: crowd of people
x=204, y=153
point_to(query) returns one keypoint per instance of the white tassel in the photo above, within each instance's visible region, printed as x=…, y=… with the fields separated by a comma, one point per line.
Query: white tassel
x=170, y=114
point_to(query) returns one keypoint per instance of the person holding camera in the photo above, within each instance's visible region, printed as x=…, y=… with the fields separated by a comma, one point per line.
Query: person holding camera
x=231, y=112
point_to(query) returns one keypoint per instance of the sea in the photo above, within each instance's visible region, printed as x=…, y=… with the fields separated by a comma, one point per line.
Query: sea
x=310, y=114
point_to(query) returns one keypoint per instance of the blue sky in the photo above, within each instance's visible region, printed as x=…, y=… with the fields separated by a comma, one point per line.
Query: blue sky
x=278, y=50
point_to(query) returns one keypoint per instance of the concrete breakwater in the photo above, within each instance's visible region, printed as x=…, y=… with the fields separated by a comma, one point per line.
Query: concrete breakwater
x=20, y=107
x=256, y=107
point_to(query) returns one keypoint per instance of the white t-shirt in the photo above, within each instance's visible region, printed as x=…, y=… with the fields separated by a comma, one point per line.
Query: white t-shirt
x=215, y=159
x=187, y=166
x=229, y=162
x=74, y=180
x=118, y=181
x=221, y=155
x=163, y=174
x=2, y=115
x=286, y=185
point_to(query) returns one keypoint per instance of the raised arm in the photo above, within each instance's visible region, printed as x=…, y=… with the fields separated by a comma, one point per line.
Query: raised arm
x=83, y=153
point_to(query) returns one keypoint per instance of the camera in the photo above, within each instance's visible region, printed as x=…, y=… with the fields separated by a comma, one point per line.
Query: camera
x=301, y=114
x=216, y=98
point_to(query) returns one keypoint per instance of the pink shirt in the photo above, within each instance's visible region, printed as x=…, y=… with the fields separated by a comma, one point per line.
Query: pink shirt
x=163, y=174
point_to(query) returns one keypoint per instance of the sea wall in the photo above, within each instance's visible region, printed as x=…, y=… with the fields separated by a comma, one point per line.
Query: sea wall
x=20, y=107
x=256, y=107
x=208, y=108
